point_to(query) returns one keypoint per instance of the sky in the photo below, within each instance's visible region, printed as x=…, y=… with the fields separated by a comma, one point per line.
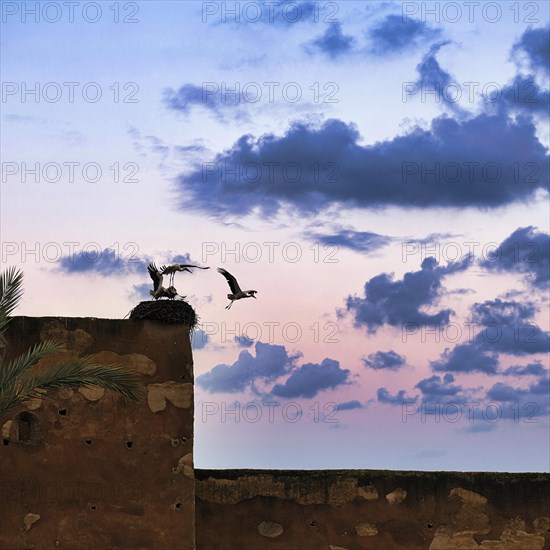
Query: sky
x=377, y=171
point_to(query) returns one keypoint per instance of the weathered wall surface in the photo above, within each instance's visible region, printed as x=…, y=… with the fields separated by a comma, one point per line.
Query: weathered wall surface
x=87, y=471
x=374, y=510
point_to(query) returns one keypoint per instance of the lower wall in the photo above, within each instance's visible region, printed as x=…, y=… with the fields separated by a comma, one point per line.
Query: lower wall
x=375, y=510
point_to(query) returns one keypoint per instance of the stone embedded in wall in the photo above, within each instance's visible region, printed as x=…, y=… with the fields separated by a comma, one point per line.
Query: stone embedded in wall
x=7, y=430
x=368, y=492
x=185, y=465
x=77, y=340
x=472, y=516
x=36, y=402
x=469, y=498
x=366, y=530
x=332, y=547
x=270, y=529
x=542, y=525
x=179, y=394
x=29, y=520
x=135, y=362
x=92, y=393
x=396, y=497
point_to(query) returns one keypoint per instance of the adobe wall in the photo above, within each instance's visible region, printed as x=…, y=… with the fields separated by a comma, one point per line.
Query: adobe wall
x=87, y=471
x=371, y=509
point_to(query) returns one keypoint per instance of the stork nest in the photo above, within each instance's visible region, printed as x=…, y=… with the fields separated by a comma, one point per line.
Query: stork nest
x=175, y=312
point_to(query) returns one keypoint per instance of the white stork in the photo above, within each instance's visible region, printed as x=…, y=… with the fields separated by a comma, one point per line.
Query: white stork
x=158, y=290
x=235, y=288
x=172, y=269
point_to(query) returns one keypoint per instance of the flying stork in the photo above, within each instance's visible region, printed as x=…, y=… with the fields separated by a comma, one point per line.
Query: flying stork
x=172, y=269
x=235, y=288
x=158, y=290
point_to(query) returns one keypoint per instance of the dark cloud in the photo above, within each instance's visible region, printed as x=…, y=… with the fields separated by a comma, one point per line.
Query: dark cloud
x=333, y=42
x=471, y=159
x=398, y=303
x=523, y=94
x=525, y=251
x=430, y=72
x=507, y=327
x=502, y=312
x=348, y=405
x=106, y=262
x=467, y=357
x=395, y=34
x=535, y=44
x=360, y=241
x=244, y=341
x=311, y=378
x=529, y=404
x=535, y=369
x=199, y=339
x=208, y=96
x=384, y=360
x=437, y=386
x=270, y=362
x=384, y=396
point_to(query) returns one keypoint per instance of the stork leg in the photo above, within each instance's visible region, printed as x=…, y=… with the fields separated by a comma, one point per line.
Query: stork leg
x=229, y=306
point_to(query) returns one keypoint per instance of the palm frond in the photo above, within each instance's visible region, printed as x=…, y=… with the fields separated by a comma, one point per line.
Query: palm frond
x=11, y=290
x=10, y=373
x=74, y=373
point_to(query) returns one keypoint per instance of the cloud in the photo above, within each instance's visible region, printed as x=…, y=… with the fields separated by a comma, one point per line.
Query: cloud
x=199, y=339
x=535, y=369
x=311, y=378
x=436, y=386
x=384, y=396
x=360, y=241
x=333, y=43
x=270, y=362
x=394, y=34
x=535, y=45
x=507, y=327
x=398, y=302
x=470, y=160
x=467, y=357
x=525, y=251
x=244, y=341
x=209, y=96
x=106, y=262
x=380, y=360
x=523, y=94
x=348, y=405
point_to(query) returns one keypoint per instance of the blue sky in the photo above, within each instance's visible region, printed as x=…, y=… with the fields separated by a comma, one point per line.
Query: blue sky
x=377, y=171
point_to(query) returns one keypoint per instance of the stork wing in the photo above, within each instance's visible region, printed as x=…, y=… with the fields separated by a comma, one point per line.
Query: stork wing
x=233, y=284
x=155, y=275
x=197, y=266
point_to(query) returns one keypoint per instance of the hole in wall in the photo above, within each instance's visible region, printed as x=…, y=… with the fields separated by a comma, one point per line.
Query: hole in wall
x=184, y=440
x=27, y=428
x=88, y=442
x=429, y=526
x=5, y=442
x=175, y=442
x=313, y=523
x=178, y=505
x=93, y=508
x=129, y=444
x=62, y=412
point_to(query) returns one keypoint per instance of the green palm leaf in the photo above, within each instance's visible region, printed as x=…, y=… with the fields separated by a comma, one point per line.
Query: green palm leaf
x=73, y=373
x=11, y=290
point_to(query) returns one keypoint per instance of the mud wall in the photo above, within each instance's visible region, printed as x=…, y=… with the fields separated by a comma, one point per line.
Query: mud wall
x=84, y=470
x=374, y=510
